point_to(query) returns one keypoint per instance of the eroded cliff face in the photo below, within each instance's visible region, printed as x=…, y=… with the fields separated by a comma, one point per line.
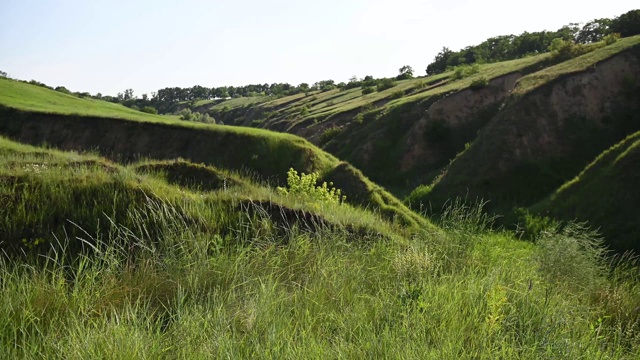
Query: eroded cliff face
x=546, y=136
x=458, y=117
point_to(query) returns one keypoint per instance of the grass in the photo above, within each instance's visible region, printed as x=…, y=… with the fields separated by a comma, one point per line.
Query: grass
x=191, y=292
x=268, y=155
x=23, y=96
x=578, y=64
x=604, y=193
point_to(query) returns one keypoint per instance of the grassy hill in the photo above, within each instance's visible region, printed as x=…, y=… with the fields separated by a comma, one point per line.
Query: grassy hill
x=557, y=121
x=97, y=254
x=125, y=235
x=606, y=193
x=31, y=114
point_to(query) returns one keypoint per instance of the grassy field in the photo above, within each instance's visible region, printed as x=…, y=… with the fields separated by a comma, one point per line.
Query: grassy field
x=164, y=272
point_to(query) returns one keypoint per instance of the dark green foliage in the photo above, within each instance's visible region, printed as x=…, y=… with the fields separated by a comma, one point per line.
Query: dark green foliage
x=385, y=84
x=149, y=110
x=405, y=72
x=63, y=89
x=463, y=71
x=479, y=83
x=329, y=134
x=627, y=24
x=509, y=47
x=397, y=94
x=529, y=226
x=368, y=90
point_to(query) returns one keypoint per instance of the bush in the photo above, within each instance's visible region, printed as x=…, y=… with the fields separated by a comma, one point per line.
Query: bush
x=397, y=94
x=530, y=226
x=611, y=39
x=564, y=50
x=385, y=84
x=329, y=134
x=149, y=110
x=479, y=83
x=463, y=71
x=304, y=185
x=368, y=90
x=186, y=114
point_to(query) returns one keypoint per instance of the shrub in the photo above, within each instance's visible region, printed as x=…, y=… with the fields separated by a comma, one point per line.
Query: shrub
x=530, y=226
x=186, y=114
x=329, y=134
x=479, y=83
x=611, y=39
x=149, y=110
x=397, y=94
x=385, y=84
x=463, y=71
x=368, y=90
x=564, y=50
x=304, y=185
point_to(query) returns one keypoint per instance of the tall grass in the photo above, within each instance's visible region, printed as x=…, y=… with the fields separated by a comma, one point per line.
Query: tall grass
x=298, y=294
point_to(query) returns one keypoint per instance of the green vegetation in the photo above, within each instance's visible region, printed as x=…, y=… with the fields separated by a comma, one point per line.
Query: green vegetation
x=175, y=238
x=177, y=274
x=604, y=193
x=268, y=155
x=304, y=186
x=23, y=96
x=579, y=64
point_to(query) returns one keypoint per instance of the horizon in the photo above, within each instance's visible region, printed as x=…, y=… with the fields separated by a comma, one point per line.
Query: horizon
x=107, y=47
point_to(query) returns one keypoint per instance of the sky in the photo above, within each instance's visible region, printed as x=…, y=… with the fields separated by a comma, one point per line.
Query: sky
x=109, y=46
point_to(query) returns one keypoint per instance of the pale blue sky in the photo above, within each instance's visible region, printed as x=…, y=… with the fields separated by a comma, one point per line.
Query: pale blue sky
x=109, y=46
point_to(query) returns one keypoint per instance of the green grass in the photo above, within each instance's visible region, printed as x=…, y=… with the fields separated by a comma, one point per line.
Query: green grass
x=194, y=292
x=606, y=194
x=23, y=96
x=575, y=65
x=269, y=155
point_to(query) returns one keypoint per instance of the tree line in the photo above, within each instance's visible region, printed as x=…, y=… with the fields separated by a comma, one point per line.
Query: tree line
x=510, y=47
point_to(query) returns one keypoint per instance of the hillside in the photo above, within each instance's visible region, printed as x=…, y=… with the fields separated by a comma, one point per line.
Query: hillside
x=556, y=121
x=605, y=193
x=31, y=114
x=510, y=132
x=47, y=192
x=105, y=254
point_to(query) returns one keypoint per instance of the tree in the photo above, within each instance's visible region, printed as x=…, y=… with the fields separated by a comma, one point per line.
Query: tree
x=627, y=24
x=128, y=94
x=593, y=31
x=406, y=72
x=3, y=74
x=439, y=63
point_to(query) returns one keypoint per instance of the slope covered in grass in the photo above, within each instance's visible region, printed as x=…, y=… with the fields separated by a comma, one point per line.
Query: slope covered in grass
x=47, y=193
x=546, y=134
x=66, y=124
x=606, y=194
x=165, y=272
